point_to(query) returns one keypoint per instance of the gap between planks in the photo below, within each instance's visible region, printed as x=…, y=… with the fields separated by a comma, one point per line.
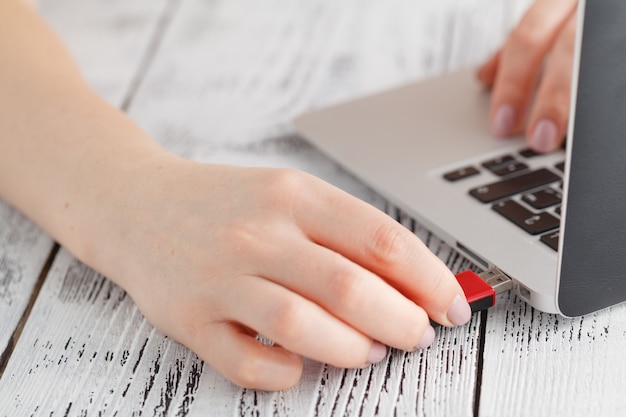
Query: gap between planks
x=8, y=351
x=482, y=336
x=151, y=50
x=161, y=28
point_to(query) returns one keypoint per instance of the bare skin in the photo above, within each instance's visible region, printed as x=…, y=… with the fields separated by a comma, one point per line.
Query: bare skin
x=536, y=59
x=211, y=254
x=214, y=255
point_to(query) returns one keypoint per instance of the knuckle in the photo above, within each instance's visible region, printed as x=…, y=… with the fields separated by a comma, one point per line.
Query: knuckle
x=285, y=321
x=238, y=238
x=285, y=186
x=247, y=372
x=347, y=288
x=248, y=239
x=557, y=97
x=437, y=280
x=415, y=332
x=553, y=100
x=526, y=36
x=437, y=285
x=389, y=245
x=567, y=40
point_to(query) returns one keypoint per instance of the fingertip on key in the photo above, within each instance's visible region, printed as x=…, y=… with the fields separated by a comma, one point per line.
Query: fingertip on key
x=503, y=121
x=545, y=136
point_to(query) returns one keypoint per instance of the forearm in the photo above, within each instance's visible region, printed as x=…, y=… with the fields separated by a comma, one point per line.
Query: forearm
x=212, y=255
x=63, y=149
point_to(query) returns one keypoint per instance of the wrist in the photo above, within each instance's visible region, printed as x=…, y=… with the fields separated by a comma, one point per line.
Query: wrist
x=120, y=192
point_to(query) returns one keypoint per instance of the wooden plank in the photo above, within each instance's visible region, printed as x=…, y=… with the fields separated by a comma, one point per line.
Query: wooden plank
x=225, y=81
x=233, y=73
x=437, y=381
x=24, y=249
x=108, y=38
x=538, y=364
x=87, y=348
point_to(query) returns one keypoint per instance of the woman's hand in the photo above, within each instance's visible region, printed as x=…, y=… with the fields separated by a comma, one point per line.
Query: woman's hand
x=213, y=255
x=540, y=52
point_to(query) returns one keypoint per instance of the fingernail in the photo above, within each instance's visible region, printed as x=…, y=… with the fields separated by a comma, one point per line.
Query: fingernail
x=459, y=312
x=427, y=338
x=504, y=120
x=544, y=137
x=377, y=353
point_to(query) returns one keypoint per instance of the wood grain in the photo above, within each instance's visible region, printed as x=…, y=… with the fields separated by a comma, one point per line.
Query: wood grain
x=110, y=39
x=543, y=364
x=24, y=249
x=220, y=85
x=87, y=349
x=118, y=36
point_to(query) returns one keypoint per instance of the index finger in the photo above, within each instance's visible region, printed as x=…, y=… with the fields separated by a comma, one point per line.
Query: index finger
x=547, y=123
x=521, y=63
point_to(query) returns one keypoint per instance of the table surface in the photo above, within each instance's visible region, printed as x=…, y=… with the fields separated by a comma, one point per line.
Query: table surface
x=219, y=81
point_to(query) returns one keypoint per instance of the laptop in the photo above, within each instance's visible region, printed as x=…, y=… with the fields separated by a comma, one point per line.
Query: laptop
x=555, y=223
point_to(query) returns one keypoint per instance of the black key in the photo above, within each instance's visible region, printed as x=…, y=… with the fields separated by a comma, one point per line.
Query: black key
x=498, y=161
x=541, y=199
x=560, y=166
x=558, y=210
x=510, y=186
x=528, y=153
x=533, y=223
x=459, y=174
x=510, y=168
x=551, y=239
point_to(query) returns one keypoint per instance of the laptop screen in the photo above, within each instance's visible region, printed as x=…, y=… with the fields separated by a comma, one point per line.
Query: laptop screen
x=593, y=251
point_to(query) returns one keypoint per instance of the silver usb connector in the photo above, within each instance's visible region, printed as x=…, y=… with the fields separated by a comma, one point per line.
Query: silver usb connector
x=497, y=279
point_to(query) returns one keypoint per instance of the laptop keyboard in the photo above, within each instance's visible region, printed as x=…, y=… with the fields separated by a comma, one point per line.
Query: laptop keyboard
x=528, y=198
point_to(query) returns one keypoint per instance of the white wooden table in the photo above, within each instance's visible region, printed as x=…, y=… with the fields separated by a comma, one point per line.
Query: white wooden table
x=219, y=81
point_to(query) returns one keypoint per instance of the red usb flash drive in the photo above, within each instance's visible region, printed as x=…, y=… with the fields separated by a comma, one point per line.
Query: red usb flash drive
x=481, y=288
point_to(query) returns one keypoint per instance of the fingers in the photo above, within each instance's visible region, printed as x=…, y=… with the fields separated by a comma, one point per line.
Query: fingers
x=298, y=324
x=324, y=275
x=245, y=361
x=521, y=62
x=550, y=112
x=381, y=245
x=488, y=71
x=353, y=294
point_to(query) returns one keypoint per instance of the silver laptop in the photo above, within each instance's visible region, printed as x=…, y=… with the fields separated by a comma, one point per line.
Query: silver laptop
x=555, y=223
